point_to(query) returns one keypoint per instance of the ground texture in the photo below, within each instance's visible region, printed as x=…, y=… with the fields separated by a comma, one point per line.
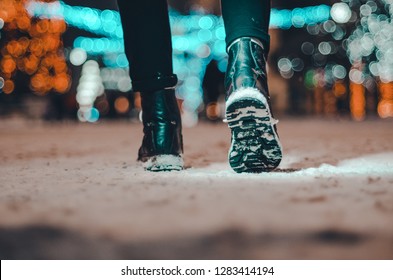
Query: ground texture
x=74, y=191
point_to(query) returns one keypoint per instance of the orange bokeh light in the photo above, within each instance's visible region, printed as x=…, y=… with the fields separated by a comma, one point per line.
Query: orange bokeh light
x=137, y=100
x=385, y=104
x=23, y=22
x=8, y=64
x=122, y=105
x=213, y=110
x=357, y=101
x=8, y=87
x=61, y=83
x=36, y=52
x=339, y=89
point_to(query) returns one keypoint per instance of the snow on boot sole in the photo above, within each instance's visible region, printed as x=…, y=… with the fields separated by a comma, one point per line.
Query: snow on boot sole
x=164, y=163
x=255, y=146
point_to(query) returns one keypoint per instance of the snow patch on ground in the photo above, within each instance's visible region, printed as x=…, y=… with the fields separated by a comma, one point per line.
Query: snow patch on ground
x=370, y=165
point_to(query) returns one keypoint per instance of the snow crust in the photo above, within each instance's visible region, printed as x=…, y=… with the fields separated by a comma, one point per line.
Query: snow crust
x=164, y=162
x=371, y=165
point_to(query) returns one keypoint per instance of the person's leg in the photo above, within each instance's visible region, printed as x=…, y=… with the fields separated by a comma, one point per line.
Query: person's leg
x=148, y=44
x=148, y=47
x=248, y=18
x=255, y=146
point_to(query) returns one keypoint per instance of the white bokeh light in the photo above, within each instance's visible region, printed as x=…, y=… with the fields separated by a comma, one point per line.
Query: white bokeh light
x=341, y=13
x=372, y=42
x=78, y=56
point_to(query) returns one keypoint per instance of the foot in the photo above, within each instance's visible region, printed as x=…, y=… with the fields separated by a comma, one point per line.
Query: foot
x=255, y=145
x=162, y=145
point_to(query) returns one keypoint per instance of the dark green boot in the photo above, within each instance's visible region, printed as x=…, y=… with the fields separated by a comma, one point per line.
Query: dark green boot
x=162, y=145
x=255, y=145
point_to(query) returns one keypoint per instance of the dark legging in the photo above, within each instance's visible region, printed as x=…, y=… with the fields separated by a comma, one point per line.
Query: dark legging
x=147, y=36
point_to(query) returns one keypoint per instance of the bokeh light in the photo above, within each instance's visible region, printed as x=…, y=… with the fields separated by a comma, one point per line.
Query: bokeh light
x=122, y=105
x=89, y=88
x=35, y=51
x=78, y=56
x=341, y=13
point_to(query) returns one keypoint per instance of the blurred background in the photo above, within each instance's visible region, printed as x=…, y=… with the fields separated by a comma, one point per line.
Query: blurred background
x=64, y=60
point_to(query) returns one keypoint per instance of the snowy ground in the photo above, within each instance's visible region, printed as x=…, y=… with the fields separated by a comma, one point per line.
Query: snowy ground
x=75, y=191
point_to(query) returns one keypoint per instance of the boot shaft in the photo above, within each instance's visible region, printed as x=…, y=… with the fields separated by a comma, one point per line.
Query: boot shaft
x=161, y=125
x=246, y=66
x=160, y=106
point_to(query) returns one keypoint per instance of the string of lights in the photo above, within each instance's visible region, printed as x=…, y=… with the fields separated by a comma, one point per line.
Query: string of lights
x=190, y=31
x=201, y=37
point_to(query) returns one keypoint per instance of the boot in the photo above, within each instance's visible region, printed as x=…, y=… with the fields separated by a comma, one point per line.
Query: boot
x=255, y=145
x=162, y=145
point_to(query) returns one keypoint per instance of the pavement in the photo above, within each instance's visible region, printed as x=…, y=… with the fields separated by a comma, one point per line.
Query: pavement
x=74, y=191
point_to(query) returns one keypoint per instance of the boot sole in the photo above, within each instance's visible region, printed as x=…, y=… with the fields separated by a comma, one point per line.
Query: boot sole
x=164, y=163
x=255, y=145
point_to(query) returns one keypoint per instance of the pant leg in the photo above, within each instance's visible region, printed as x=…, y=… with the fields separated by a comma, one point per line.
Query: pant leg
x=148, y=44
x=248, y=18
